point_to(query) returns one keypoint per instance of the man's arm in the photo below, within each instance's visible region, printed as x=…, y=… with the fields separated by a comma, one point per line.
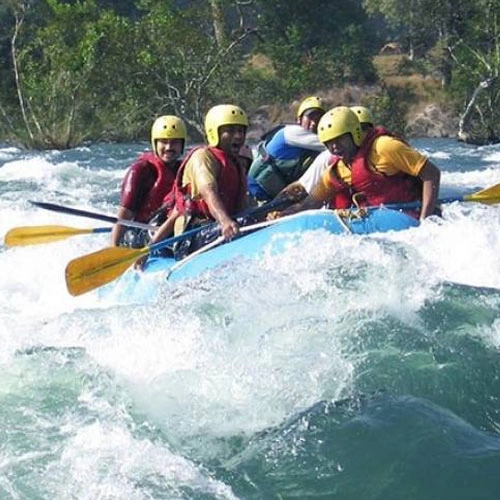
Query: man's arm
x=431, y=177
x=307, y=203
x=136, y=184
x=297, y=136
x=229, y=227
x=392, y=155
x=298, y=190
x=166, y=229
x=294, y=192
x=118, y=229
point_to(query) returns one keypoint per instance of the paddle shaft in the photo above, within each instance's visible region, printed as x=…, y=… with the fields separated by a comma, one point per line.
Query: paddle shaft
x=88, y=272
x=417, y=204
x=91, y=215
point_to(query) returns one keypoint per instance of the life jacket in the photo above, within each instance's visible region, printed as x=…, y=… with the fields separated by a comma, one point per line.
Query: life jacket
x=231, y=186
x=165, y=177
x=276, y=167
x=377, y=188
x=267, y=136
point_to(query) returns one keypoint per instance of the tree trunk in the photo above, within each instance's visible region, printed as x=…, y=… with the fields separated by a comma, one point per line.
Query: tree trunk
x=463, y=125
x=218, y=22
x=19, y=20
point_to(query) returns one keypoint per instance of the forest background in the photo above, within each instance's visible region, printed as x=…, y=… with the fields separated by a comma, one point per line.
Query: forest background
x=79, y=71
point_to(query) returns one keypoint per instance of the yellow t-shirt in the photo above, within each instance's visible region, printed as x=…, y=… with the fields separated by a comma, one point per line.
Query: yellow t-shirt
x=387, y=155
x=201, y=170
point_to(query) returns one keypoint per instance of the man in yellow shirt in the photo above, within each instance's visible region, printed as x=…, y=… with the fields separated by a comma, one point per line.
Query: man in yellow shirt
x=298, y=190
x=376, y=167
x=211, y=183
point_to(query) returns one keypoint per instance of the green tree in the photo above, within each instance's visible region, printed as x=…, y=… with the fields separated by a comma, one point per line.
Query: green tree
x=184, y=69
x=476, y=85
x=408, y=17
x=83, y=72
x=424, y=25
x=312, y=48
x=58, y=66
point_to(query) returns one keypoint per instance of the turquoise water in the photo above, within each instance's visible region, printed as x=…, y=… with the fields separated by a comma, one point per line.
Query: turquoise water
x=349, y=367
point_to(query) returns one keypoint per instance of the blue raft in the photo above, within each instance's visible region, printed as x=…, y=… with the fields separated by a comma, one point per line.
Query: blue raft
x=270, y=239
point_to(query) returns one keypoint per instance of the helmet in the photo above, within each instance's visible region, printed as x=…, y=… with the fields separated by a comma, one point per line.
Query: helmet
x=339, y=121
x=310, y=103
x=223, y=114
x=167, y=127
x=364, y=114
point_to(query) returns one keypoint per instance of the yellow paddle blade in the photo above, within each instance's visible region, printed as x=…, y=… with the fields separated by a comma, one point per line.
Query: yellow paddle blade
x=489, y=195
x=33, y=235
x=93, y=270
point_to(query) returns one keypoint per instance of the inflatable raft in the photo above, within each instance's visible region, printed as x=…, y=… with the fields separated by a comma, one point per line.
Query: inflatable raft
x=272, y=238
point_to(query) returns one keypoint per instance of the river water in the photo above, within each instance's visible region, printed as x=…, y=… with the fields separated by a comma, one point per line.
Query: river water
x=348, y=367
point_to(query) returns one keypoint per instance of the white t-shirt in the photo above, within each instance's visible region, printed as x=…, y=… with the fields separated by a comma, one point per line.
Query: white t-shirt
x=313, y=174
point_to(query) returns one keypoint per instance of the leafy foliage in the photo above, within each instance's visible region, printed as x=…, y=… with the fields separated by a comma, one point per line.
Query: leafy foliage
x=390, y=108
x=476, y=69
x=317, y=46
x=83, y=70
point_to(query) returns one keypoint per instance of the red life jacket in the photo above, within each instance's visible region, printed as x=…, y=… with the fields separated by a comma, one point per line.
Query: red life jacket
x=231, y=187
x=343, y=191
x=377, y=188
x=165, y=177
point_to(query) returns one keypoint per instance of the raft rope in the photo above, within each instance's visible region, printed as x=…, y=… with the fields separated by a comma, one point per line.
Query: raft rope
x=343, y=216
x=346, y=215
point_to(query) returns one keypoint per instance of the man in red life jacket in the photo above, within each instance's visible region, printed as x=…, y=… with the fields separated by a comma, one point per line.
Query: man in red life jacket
x=298, y=190
x=376, y=166
x=211, y=182
x=149, y=179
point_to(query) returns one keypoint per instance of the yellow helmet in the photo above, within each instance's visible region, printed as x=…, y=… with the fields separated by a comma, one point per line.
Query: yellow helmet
x=364, y=114
x=339, y=121
x=312, y=102
x=167, y=127
x=223, y=114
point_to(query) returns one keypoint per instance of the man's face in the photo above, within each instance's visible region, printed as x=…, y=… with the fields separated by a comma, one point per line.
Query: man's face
x=343, y=146
x=231, y=138
x=310, y=119
x=169, y=149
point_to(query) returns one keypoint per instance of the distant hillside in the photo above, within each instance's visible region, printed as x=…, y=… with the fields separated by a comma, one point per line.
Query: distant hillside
x=428, y=113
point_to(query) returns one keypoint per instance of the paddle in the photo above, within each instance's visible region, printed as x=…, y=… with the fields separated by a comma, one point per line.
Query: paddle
x=91, y=215
x=488, y=196
x=34, y=235
x=96, y=269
